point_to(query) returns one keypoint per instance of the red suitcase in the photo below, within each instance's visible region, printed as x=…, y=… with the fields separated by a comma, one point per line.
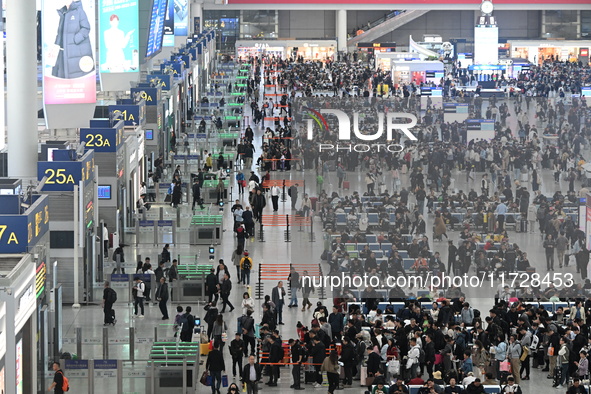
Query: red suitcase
x=346, y=185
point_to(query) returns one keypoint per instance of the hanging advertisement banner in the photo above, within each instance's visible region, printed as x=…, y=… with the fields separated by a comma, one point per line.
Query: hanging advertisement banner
x=181, y=17
x=119, y=38
x=69, y=74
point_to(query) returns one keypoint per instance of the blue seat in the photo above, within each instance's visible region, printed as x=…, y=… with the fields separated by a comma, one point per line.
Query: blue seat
x=407, y=263
x=557, y=305
x=392, y=217
x=492, y=389
x=379, y=255
x=341, y=219
x=414, y=389
x=403, y=254
x=549, y=306
x=427, y=305
x=396, y=306
x=373, y=219
x=360, y=246
x=374, y=246
x=386, y=247
x=371, y=238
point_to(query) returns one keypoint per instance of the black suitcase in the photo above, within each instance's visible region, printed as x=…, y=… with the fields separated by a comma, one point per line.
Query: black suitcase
x=310, y=377
x=522, y=226
x=557, y=376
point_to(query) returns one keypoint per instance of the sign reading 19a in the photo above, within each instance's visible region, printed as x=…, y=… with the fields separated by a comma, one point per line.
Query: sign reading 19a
x=58, y=176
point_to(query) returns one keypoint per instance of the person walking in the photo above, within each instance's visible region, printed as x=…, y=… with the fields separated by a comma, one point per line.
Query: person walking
x=294, y=285
x=275, y=193
x=225, y=289
x=251, y=375
x=58, y=379
x=216, y=366
x=306, y=290
x=549, y=245
x=278, y=298
x=293, y=193
x=173, y=276
x=236, y=350
x=118, y=258
x=177, y=194
x=165, y=254
x=196, y=189
x=187, y=323
x=259, y=202
x=219, y=332
x=248, y=335
x=237, y=256
x=246, y=266
x=162, y=297
x=138, y=296
x=212, y=286
x=514, y=351
x=109, y=298
x=330, y=365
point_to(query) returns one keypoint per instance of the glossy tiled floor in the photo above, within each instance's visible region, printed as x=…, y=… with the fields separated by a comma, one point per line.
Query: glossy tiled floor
x=273, y=250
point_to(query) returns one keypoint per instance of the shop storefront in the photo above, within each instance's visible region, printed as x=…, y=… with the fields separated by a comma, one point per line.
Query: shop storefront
x=309, y=50
x=405, y=72
x=537, y=51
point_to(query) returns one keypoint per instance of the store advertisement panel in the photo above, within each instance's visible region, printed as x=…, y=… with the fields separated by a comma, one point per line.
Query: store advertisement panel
x=156, y=31
x=69, y=74
x=119, y=42
x=168, y=39
x=181, y=17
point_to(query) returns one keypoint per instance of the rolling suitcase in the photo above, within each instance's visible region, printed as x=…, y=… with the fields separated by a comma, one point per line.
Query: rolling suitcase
x=522, y=228
x=346, y=185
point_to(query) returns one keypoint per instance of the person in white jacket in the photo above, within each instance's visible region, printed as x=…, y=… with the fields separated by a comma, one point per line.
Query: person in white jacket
x=412, y=362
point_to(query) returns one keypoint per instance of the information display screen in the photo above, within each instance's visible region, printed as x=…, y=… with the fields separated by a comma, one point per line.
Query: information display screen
x=119, y=42
x=156, y=30
x=104, y=192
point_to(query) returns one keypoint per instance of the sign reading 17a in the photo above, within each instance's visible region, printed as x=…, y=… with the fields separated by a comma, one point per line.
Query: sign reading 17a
x=10, y=236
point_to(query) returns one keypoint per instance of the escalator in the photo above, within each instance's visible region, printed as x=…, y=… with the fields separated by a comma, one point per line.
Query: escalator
x=414, y=47
x=389, y=24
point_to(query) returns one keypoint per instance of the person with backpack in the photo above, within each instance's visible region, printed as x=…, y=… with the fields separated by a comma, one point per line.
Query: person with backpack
x=162, y=297
x=248, y=335
x=210, y=317
x=138, y=296
x=187, y=323
x=349, y=359
x=246, y=268
x=109, y=298
x=60, y=383
x=215, y=365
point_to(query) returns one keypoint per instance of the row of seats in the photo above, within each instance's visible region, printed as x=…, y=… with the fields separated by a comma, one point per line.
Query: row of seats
x=551, y=307
x=373, y=238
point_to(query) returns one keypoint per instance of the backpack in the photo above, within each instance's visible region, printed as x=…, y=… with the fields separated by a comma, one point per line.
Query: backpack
x=247, y=263
x=111, y=296
x=66, y=382
x=421, y=356
x=184, y=322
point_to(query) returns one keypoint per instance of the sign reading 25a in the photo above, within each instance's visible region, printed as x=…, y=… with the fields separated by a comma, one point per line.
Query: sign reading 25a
x=61, y=175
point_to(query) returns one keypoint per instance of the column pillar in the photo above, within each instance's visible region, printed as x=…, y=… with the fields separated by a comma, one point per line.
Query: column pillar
x=21, y=68
x=341, y=24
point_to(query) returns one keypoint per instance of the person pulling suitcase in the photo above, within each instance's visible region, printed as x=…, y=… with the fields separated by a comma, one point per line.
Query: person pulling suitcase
x=109, y=298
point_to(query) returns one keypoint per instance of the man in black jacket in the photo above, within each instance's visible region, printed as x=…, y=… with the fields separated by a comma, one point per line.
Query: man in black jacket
x=349, y=359
x=211, y=286
x=275, y=357
x=429, y=355
x=297, y=358
x=109, y=298
x=317, y=353
x=210, y=317
x=247, y=324
x=196, y=189
x=336, y=323
x=251, y=374
x=236, y=349
x=225, y=289
x=215, y=365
